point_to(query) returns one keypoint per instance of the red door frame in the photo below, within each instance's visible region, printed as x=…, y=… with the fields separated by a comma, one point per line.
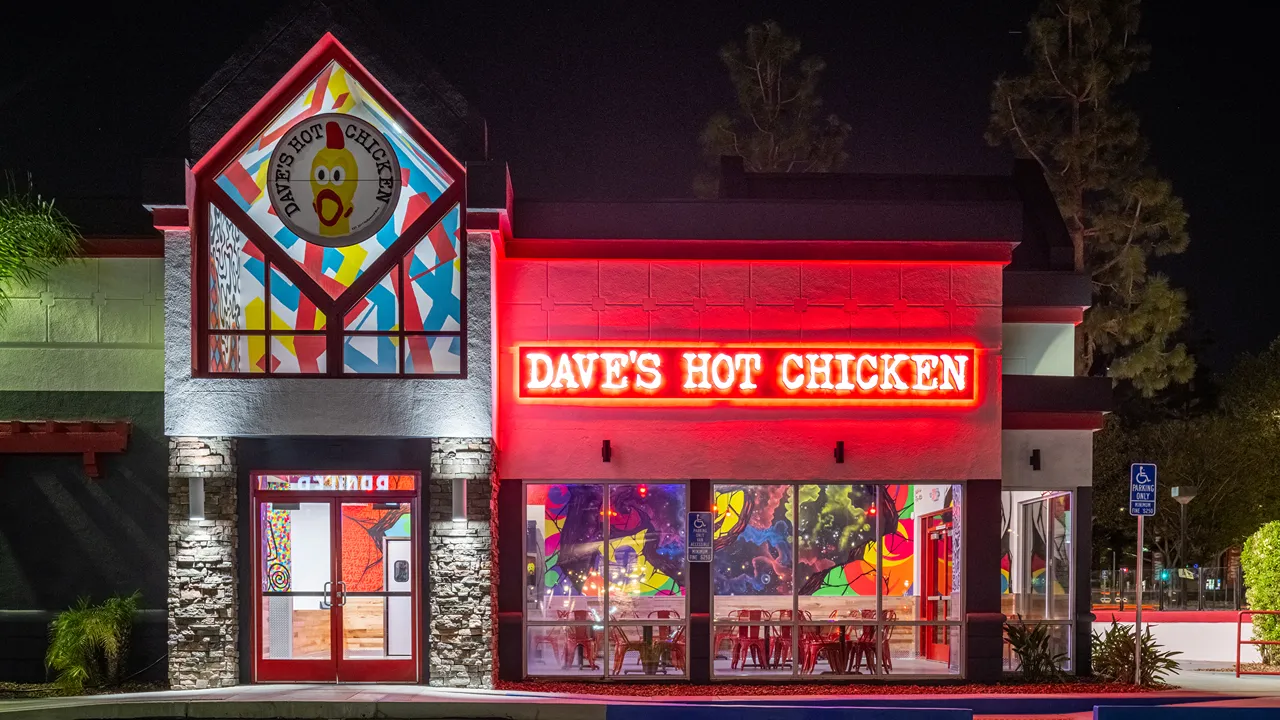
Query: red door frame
x=930, y=524
x=336, y=668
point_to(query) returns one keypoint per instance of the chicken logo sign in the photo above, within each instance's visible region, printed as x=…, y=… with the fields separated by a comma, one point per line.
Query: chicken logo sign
x=334, y=180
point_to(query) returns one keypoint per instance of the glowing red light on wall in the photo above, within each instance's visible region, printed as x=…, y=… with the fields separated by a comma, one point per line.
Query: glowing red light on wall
x=678, y=374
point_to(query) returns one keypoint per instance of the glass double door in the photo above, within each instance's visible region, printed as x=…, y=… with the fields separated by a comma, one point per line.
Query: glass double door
x=336, y=581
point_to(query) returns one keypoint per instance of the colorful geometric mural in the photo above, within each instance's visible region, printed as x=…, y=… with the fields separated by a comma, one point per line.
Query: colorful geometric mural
x=422, y=180
x=417, y=299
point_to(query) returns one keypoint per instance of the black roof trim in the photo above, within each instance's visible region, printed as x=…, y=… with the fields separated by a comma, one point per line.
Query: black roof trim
x=1046, y=288
x=769, y=220
x=1056, y=394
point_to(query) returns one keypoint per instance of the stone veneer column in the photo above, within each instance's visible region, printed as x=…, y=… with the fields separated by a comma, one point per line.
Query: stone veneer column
x=203, y=650
x=462, y=572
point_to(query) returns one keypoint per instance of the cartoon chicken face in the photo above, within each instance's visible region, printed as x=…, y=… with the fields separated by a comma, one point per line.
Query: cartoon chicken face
x=333, y=183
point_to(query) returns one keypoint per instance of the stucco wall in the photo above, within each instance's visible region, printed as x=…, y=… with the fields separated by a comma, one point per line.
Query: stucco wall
x=1039, y=349
x=348, y=406
x=1066, y=459
x=95, y=324
x=586, y=300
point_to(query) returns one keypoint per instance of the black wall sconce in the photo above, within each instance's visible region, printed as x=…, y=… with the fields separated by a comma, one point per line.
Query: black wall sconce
x=1035, y=459
x=839, y=452
x=606, y=452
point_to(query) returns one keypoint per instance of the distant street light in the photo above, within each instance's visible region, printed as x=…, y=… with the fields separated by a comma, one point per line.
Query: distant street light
x=1183, y=494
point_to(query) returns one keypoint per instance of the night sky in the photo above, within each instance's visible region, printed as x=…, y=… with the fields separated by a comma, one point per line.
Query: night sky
x=587, y=101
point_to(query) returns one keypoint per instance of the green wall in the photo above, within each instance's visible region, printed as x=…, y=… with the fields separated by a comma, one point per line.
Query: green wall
x=95, y=325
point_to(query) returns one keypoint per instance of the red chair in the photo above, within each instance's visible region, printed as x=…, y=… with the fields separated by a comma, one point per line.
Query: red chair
x=863, y=647
x=725, y=633
x=823, y=641
x=622, y=644
x=677, y=650
x=581, y=636
x=886, y=658
x=750, y=641
x=664, y=631
x=781, y=649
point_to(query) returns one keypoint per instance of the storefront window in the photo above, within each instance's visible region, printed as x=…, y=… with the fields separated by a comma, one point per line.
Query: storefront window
x=752, y=577
x=877, y=580
x=1037, y=562
x=571, y=529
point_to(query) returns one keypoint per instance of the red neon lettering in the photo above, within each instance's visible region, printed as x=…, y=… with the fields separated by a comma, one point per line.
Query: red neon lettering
x=765, y=374
x=790, y=382
x=696, y=366
x=744, y=362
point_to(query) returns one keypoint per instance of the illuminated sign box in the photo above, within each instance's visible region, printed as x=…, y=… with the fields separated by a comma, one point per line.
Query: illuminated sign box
x=674, y=374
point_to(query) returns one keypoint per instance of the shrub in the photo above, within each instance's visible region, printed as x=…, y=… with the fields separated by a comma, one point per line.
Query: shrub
x=1033, y=645
x=1113, y=656
x=89, y=644
x=1260, y=561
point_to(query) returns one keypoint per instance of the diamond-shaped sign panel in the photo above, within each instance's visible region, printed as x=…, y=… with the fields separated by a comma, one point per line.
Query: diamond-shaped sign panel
x=422, y=179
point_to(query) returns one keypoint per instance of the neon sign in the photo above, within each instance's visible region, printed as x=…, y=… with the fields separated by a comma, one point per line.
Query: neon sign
x=748, y=374
x=337, y=483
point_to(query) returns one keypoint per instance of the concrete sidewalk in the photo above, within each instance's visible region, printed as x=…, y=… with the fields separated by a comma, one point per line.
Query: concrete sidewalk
x=430, y=703
x=1206, y=677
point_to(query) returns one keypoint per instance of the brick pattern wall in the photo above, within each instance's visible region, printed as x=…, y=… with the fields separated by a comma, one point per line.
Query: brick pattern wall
x=203, y=650
x=462, y=569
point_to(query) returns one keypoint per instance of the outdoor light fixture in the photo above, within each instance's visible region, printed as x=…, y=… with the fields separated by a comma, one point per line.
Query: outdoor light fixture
x=459, y=500
x=839, y=452
x=195, y=498
x=606, y=452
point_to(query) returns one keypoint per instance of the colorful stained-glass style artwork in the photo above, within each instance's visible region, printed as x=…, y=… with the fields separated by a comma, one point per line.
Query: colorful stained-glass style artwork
x=338, y=483
x=423, y=180
x=753, y=540
x=837, y=533
x=364, y=528
x=371, y=354
x=276, y=550
x=290, y=309
x=433, y=273
x=646, y=540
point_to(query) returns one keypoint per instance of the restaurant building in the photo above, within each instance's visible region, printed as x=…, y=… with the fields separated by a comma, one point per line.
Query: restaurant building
x=422, y=429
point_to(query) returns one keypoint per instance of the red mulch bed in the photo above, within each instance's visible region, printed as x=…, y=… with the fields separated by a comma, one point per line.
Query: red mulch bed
x=852, y=688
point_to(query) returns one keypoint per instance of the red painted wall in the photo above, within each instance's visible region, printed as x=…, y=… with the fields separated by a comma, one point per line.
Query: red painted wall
x=733, y=301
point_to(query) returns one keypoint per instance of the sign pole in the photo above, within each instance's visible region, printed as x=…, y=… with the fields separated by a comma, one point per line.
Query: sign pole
x=1137, y=647
x=1142, y=502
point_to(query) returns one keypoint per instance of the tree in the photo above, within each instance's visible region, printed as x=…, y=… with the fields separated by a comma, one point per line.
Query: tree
x=777, y=125
x=1260, y=561
x=1065, y=113
x=35, y=237
x=1230, y=454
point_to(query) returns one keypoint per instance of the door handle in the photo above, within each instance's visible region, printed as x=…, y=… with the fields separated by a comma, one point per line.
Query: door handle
x=342, y=593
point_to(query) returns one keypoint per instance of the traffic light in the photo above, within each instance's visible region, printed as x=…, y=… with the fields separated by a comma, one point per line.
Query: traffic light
x=1164, y=575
